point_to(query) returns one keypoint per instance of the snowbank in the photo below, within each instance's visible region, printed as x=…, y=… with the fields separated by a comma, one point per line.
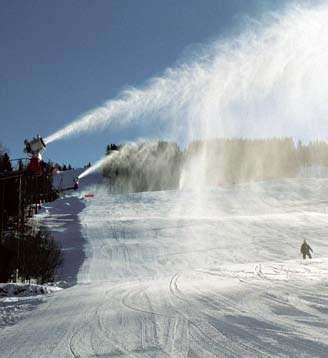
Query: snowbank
x=18, y=299
x=24, y=290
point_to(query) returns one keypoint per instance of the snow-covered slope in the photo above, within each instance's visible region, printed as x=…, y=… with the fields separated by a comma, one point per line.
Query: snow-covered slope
x=185, y=274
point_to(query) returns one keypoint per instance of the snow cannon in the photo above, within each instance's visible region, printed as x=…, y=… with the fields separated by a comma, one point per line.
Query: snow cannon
x=74, y=187
x=76, y=182
x=34, y=148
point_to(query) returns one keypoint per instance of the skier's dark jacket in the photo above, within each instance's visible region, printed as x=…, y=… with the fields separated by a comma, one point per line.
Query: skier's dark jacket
x=305, y=248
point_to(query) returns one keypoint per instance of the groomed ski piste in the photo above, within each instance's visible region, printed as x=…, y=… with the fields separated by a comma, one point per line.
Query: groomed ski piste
x=209, y=273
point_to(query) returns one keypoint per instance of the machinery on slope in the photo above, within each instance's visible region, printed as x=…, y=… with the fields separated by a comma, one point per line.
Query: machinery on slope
x=36, y=166
x=34, y=148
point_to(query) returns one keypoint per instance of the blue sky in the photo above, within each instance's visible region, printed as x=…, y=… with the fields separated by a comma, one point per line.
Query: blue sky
x=61, y=58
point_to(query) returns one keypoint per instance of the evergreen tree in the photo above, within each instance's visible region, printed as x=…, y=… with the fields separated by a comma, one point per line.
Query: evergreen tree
x=5, y=164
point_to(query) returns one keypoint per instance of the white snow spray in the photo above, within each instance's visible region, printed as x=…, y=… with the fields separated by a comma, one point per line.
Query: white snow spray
x=140, y=157
x=270, y=80
x=97, y=166
x=115, y=155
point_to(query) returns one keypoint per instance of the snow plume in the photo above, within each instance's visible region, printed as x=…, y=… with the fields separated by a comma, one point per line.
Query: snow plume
x=141, y=167
x=114, y=156
x=94, y=168
x=270, y=80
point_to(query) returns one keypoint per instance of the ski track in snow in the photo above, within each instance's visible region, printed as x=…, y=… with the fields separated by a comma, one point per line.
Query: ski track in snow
x=179, y=274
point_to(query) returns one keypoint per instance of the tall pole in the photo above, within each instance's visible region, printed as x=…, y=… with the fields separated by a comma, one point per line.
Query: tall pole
x=2, y=185
x=20, y=224
x=19, y=219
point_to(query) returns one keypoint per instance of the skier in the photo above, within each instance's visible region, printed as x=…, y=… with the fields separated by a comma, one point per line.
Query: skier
x=305, y=250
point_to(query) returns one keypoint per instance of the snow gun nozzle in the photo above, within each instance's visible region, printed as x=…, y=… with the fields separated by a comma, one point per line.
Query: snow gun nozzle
x=76, y=182
x=34, y=146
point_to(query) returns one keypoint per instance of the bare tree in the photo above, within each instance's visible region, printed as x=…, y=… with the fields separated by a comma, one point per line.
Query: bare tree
x=2, y=149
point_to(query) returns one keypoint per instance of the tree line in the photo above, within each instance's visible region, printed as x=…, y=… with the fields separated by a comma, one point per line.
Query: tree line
x=26, y=252
x=34, y=255
x=313, y=153
x=63, y=167
x=143, y=167
x=158, y=166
